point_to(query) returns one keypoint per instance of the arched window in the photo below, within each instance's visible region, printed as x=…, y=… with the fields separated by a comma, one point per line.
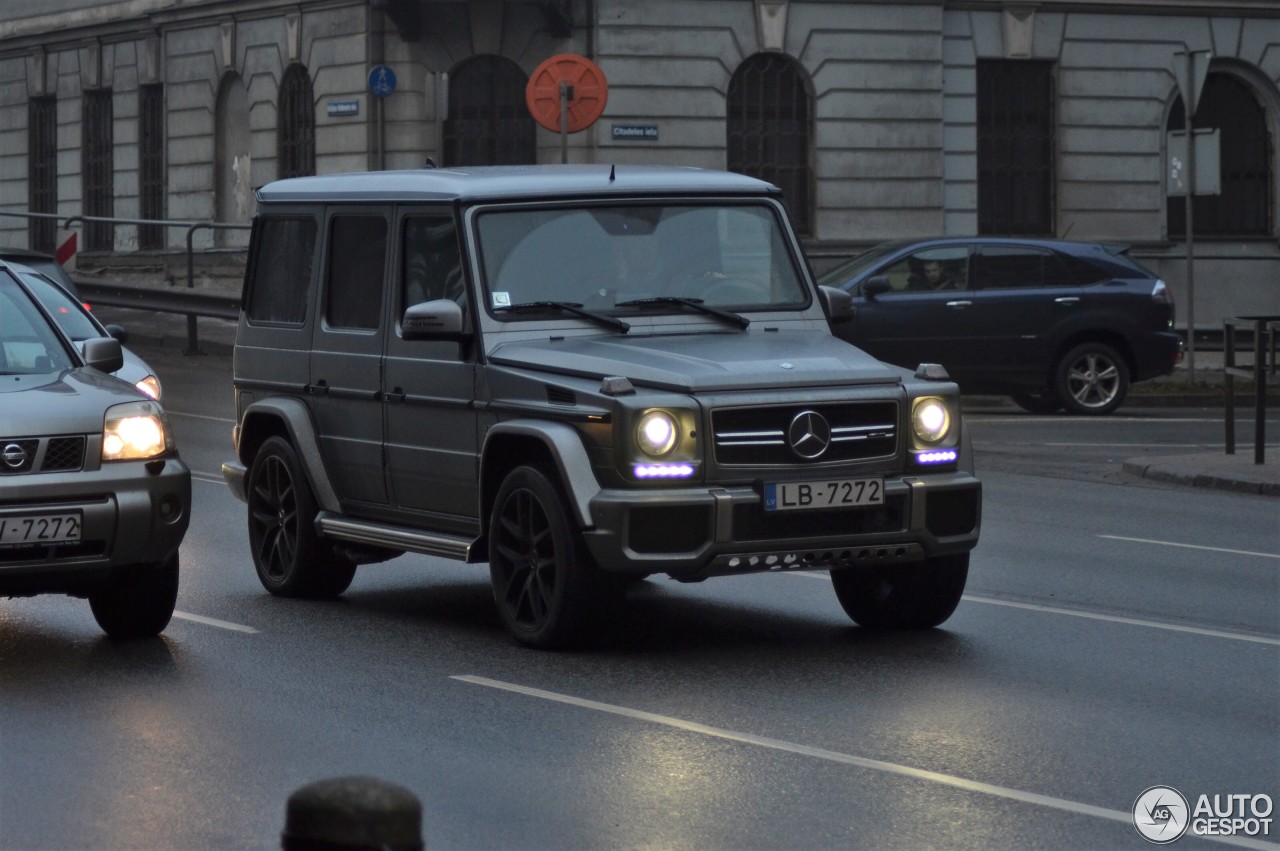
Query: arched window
x=296, y=124
x=488, y=121
x=769, y=127
x=1244, y=207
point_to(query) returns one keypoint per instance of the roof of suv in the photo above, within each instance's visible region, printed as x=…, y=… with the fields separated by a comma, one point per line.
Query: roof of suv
x=500, y=183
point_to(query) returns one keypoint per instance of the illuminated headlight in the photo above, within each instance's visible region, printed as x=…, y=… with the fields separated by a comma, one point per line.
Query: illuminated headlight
x=656, y=433
x=134, y=431
x=930, y=419
x=151, y=386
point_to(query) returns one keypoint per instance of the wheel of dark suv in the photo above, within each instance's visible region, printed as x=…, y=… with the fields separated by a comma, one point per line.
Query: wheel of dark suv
x=291, y=559
x=903, y=596
x=139, y=602
x=546, y=586
x=1038, y=401
x=1092, y=378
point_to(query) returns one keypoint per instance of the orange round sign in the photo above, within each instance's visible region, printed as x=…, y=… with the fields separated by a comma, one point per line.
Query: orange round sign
x=586, y=82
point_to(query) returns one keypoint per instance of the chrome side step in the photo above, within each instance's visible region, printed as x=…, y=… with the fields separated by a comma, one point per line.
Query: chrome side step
x=341, y=528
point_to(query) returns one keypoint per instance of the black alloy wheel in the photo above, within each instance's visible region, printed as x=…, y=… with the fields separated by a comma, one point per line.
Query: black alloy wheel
x=290, y=558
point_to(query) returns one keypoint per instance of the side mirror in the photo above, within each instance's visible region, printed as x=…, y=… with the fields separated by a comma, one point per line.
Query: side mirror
x=103, y=353
x=440, y=319
x=838, y=304
x=118, y=332
x=874, y=286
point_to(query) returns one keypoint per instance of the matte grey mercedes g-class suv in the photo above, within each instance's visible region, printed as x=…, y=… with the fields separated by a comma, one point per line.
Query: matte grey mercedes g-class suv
x=582, y=375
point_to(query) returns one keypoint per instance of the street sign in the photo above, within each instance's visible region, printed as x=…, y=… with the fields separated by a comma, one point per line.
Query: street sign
x=382, y=81
x=1190, y=67
x=1208, y=176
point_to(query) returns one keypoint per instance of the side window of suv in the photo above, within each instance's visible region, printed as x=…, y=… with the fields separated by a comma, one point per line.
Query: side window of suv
x=357, y=266
x=281, y=275
x=432, y=261
x=1007, y=267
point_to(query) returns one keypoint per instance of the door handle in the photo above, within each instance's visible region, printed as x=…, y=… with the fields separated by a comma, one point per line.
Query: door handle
x=320, y=388
x=959, y=305
x=1067, y=299
x=396, y=395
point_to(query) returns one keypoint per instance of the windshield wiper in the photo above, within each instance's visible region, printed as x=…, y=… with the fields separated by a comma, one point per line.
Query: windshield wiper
x=568, y=307
x=695, y=303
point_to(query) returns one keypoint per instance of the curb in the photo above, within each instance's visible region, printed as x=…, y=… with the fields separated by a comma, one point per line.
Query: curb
x=1173, y=473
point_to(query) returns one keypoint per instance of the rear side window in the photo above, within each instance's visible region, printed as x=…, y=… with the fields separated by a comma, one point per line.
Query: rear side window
x=283, y=253
x=357, y=262
x=1000, y=267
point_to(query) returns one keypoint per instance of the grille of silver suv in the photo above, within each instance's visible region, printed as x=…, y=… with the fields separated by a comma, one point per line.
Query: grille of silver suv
x=19, y=455
x=793, y=434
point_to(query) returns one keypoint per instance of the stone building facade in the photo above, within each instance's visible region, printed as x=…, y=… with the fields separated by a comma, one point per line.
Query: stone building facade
x=880, y=120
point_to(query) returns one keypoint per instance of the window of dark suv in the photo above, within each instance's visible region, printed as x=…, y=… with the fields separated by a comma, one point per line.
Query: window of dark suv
x=281, y=276
x=357, y=264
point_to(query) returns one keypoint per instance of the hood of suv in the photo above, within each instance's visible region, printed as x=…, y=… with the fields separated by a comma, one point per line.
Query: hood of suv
x=70, y=402
x=705, y=362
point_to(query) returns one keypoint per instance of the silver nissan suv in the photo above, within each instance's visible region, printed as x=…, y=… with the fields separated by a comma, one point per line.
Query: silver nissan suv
x=581, y=375
x=94, y=500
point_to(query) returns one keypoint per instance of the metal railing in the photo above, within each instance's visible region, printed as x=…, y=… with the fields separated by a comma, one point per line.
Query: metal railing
x=160, y=299
x=1263, y=372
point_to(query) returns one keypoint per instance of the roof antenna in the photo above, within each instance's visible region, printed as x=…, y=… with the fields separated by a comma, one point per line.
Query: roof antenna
x=611, y=174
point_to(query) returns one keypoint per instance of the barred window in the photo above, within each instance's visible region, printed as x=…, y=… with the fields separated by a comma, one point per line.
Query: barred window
x=1015, y=147
x=98, y=169
x=151, y=178
x=1244, y=207
x=42, y=171
x=769, y=128
x=296, y=130
x=488, y=121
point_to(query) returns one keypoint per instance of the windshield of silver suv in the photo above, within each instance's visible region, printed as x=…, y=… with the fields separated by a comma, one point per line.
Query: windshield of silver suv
x=635, y=258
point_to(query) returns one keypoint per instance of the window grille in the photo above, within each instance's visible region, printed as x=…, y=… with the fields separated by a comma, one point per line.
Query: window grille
x=488, y=123
x=42, y=171
x=769, y=128
x=98, y=170
x=151, y=177
x=1244, y=207
x=296, y=131
x=1015, y=147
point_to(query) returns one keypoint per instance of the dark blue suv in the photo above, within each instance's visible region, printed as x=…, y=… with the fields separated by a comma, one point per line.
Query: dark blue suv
x=1054, y=324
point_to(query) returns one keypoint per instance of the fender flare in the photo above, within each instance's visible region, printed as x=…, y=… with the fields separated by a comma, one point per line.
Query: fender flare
x=296, y=418
x=567, y=450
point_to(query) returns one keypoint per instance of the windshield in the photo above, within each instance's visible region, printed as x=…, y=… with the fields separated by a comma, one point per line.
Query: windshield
x=851, y=269
x=68, y=312
x=28, y=343
x=615, y=259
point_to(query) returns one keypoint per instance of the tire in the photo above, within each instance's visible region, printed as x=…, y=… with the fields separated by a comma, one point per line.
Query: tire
x=1092, y=378
x=920, y=595
x=1038, y=401
x=290, y=558
x=139, y=603
x=546, y=587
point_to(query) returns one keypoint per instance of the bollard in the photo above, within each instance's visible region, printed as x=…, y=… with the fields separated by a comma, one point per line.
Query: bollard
x=352, y=814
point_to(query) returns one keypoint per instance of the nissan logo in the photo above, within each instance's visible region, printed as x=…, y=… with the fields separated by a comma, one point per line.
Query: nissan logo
x=14, y=456
x=809, y=434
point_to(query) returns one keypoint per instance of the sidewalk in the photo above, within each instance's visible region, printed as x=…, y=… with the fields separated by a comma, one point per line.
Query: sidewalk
x=1216, y=470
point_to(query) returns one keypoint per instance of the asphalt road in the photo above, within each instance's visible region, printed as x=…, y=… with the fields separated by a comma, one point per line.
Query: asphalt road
x=1117, y=634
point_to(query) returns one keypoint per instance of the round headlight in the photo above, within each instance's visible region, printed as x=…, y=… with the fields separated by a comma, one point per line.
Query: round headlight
x=656, y=433
x=931, y=420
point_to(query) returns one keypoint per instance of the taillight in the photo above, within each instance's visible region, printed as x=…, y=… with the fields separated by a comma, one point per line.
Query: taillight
x=1161, y=293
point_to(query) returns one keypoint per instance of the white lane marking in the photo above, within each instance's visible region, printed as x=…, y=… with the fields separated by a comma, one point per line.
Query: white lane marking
x=1077, y=613
x=838, y=757
x=234, y=627
x=208, y=477
x=173, y=413
x=1190, y=546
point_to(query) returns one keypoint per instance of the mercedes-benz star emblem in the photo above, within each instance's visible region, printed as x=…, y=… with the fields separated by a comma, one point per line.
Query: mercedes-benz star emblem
x=809, y=434
x=14, y=455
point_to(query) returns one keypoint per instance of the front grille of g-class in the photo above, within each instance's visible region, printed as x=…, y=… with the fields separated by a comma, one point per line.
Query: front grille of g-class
x=802, y=434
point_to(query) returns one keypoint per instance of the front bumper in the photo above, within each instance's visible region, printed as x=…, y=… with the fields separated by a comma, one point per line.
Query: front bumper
x=692, y=533
x=132, y=513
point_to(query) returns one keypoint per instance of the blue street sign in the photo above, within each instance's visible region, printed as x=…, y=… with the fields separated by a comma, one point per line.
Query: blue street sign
x=382, y=81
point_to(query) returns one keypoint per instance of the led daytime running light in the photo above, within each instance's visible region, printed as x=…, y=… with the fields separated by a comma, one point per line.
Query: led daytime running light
x=663, y=471
x=942, y=456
